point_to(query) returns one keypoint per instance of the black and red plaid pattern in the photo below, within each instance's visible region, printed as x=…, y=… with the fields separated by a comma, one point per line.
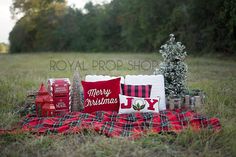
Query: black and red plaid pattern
x=142, y=91
x=112, y=124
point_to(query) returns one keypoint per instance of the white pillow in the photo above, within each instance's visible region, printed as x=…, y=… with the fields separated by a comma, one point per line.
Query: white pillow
x=129, y=104
x=94, y=78
x=157, y=82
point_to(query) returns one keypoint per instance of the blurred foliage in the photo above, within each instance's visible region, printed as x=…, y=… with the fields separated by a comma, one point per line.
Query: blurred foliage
x=4, y=48
x=124, y=25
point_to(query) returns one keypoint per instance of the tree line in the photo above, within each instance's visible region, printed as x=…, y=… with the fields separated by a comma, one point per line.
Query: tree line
x=124, y=25
x=3, y=47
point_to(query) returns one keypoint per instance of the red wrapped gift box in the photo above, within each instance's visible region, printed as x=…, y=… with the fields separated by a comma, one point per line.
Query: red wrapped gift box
x=59, y=89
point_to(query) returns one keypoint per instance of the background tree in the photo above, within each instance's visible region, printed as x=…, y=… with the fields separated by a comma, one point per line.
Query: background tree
x=124, y=25
x=33, y=7
x=3, y=48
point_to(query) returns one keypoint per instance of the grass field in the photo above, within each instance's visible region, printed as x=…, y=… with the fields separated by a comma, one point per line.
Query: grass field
x=19, y=73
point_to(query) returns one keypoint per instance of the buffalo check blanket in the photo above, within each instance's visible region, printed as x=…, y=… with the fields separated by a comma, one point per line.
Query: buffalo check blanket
x=112, y=124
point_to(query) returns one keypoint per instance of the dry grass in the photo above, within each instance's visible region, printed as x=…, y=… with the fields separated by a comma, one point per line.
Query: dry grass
x=217, y=77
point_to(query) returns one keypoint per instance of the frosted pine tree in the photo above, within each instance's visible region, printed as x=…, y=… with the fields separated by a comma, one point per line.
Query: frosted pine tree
x=76, y=104
x=173, y=67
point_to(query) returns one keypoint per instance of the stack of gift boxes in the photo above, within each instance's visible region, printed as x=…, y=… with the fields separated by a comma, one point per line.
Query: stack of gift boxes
x=59, y=89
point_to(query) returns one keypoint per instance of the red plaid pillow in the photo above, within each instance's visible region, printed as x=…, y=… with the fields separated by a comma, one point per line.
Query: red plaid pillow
x=143, y=91
x=101, y=95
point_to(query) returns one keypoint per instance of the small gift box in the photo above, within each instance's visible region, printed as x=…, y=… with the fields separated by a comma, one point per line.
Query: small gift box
x=59, y=89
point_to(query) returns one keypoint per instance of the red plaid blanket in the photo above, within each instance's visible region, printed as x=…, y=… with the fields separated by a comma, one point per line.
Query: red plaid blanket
x=112, y=124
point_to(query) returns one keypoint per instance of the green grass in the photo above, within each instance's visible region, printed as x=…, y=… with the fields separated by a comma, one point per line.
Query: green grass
x=216, y=76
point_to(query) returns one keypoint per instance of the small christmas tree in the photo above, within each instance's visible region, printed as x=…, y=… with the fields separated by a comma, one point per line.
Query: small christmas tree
x=76, y=104
x=173, y=67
